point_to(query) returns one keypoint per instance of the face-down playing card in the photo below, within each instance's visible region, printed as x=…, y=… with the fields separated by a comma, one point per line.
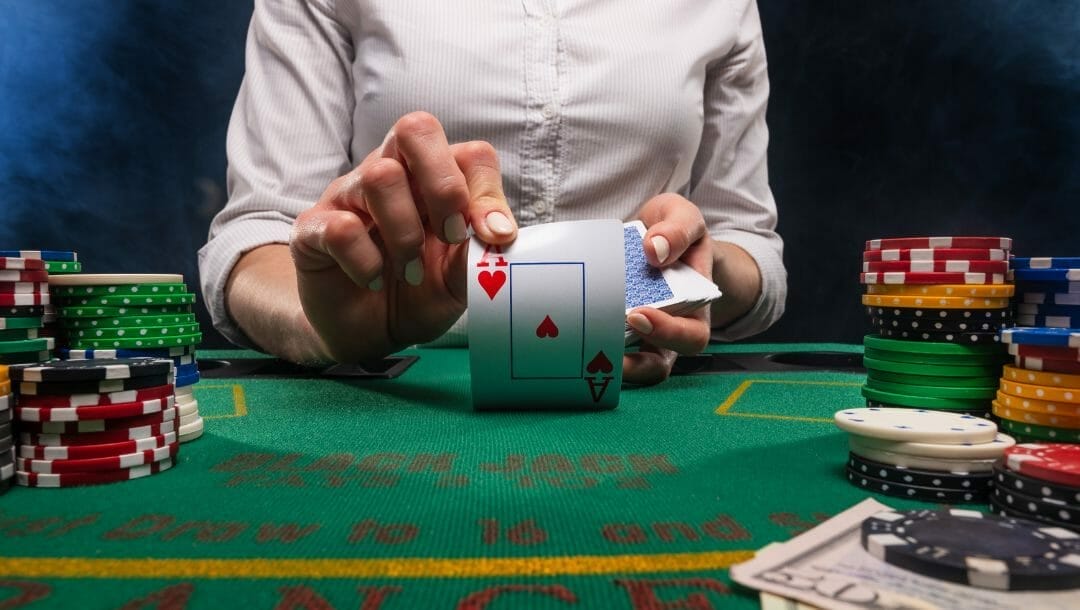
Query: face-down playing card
x=546, y=317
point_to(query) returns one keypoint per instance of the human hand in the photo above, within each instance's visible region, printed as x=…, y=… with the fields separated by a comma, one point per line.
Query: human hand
x=380, y=259
x=675, y=231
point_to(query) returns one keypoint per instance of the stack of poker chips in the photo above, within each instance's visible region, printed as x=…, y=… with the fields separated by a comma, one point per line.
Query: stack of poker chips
x=24, y=295
x=936, y=305
x=1039, y=397
x=7, y=450
x=934, y=456
x=53, y=262
x=90, y=422
x=1040, y=482
x=106, y=316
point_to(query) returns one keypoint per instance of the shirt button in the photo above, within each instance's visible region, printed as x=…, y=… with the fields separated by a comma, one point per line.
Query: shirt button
x=549, y=111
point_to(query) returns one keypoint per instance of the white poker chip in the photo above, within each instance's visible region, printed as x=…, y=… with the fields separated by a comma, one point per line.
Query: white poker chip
x=964, y=451
x=916, y=425
x=110, y=279
x=936, y=464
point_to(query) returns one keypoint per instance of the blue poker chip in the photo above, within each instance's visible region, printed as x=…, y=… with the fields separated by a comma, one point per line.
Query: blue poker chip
x=1054, y=274
x=1045, y=321
x=186, y=380
x=1054, y=337
x=184, y=370
x=1050, y=287
x=1045, y=262
x=1048, y=298
x=164, y=352
x=45, y=255
x=1047, y=310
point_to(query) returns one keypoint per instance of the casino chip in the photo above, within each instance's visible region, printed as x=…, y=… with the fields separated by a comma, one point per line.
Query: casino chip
x=1047, y=275
x=935, y=254
x=1055, y=337
x=1055, y=462
x=930, y=277
x=1045, y=262
x=946, y=266
x=918, y=425
x=92, y=370
x=916, y=492
x=934, y=302
x=967, y=338
x=1031, y=377
x=1003, y=243
x=970, y=548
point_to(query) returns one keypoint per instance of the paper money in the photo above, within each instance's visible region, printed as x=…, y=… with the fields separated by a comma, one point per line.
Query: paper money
x=827, y=567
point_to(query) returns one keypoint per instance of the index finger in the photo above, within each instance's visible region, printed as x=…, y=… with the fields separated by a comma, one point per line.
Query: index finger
x=488, y=211
x=420, y=140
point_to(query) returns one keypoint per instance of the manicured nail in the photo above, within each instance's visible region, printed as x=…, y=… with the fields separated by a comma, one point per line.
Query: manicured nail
x=640, y=323
x=414, y=272
x=662, y=247
x=375, y=285
x=499, y=223
x=454, y=229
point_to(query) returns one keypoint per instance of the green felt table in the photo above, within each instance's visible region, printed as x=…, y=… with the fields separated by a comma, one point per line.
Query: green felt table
x=395, y=494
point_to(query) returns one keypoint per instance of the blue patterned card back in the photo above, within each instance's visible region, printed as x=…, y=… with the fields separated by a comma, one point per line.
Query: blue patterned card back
x=645, y=284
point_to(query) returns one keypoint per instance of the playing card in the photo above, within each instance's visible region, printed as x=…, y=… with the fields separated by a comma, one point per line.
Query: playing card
x=677, y=289
x=546, y=317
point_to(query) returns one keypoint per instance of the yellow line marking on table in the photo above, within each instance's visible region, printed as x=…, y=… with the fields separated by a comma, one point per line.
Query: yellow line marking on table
x=729, y=402
x=404, y=567
x=238, y=397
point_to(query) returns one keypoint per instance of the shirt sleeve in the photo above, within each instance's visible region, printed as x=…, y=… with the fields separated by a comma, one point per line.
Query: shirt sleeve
x=730, y=178
x=288, y=137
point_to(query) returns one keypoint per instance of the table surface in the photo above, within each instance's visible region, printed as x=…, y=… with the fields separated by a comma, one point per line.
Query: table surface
x=334, y=493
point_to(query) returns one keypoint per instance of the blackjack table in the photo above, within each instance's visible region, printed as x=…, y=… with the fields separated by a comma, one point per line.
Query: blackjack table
x=385, y=489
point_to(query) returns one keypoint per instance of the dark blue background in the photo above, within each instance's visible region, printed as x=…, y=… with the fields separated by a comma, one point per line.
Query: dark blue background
x=887, y=118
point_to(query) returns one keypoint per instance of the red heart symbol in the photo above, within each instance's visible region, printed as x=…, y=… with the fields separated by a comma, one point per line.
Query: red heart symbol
x=547, y=328
x=492, y=282
x=599, y=363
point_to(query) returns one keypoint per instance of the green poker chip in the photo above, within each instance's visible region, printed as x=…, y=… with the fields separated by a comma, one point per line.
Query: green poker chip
x=137, y=343
x=25, y=345
x=933, y=380
x=25, y=357
x=997, y=359
x=18, y=334
x=76, y=311
x=985, y=393
x=29, y=322
x=117, y=289
x=62, y=267
x=136, y=332
x=129, y=300
x=930, y=347
x=924, y=402
x=1025, y=431
x=931, y=370
x=130, y=321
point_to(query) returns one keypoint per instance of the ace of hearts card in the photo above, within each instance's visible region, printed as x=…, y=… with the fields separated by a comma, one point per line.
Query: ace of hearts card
x=546, y=317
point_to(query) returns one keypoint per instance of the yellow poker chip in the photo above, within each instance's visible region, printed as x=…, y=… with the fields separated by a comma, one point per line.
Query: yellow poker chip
x=944, y=290
x=1035, y=417
x=1039, y=392
x=934, y=302
x=1049, y=379
x=1034, y=405
x=4, y=373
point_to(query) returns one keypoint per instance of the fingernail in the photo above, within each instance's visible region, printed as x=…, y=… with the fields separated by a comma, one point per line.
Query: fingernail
x=640, y=323
x=454, y=228
x=662, y=247
x=499, y=223
x=414, y=272
x=375, y=285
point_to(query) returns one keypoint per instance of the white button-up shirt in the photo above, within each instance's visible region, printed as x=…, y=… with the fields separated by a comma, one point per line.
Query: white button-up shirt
x=594, y=107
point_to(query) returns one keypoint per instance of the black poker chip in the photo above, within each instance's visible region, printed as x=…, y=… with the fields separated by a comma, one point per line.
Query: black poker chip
x=1030, y=505
x=1030, y=486
x=968, y=547
x=979, y=482
x=969, y=338
x=997, y=315
x=91, y=370
x=985, y=414
x=997, y=508
x=22, y=311
x=937, y=326
x=60, y=388
x=916, y=492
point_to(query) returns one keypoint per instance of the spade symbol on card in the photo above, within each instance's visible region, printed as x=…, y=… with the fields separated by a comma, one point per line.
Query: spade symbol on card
x=492, y=282
x=547, y=329
x=599, y=364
